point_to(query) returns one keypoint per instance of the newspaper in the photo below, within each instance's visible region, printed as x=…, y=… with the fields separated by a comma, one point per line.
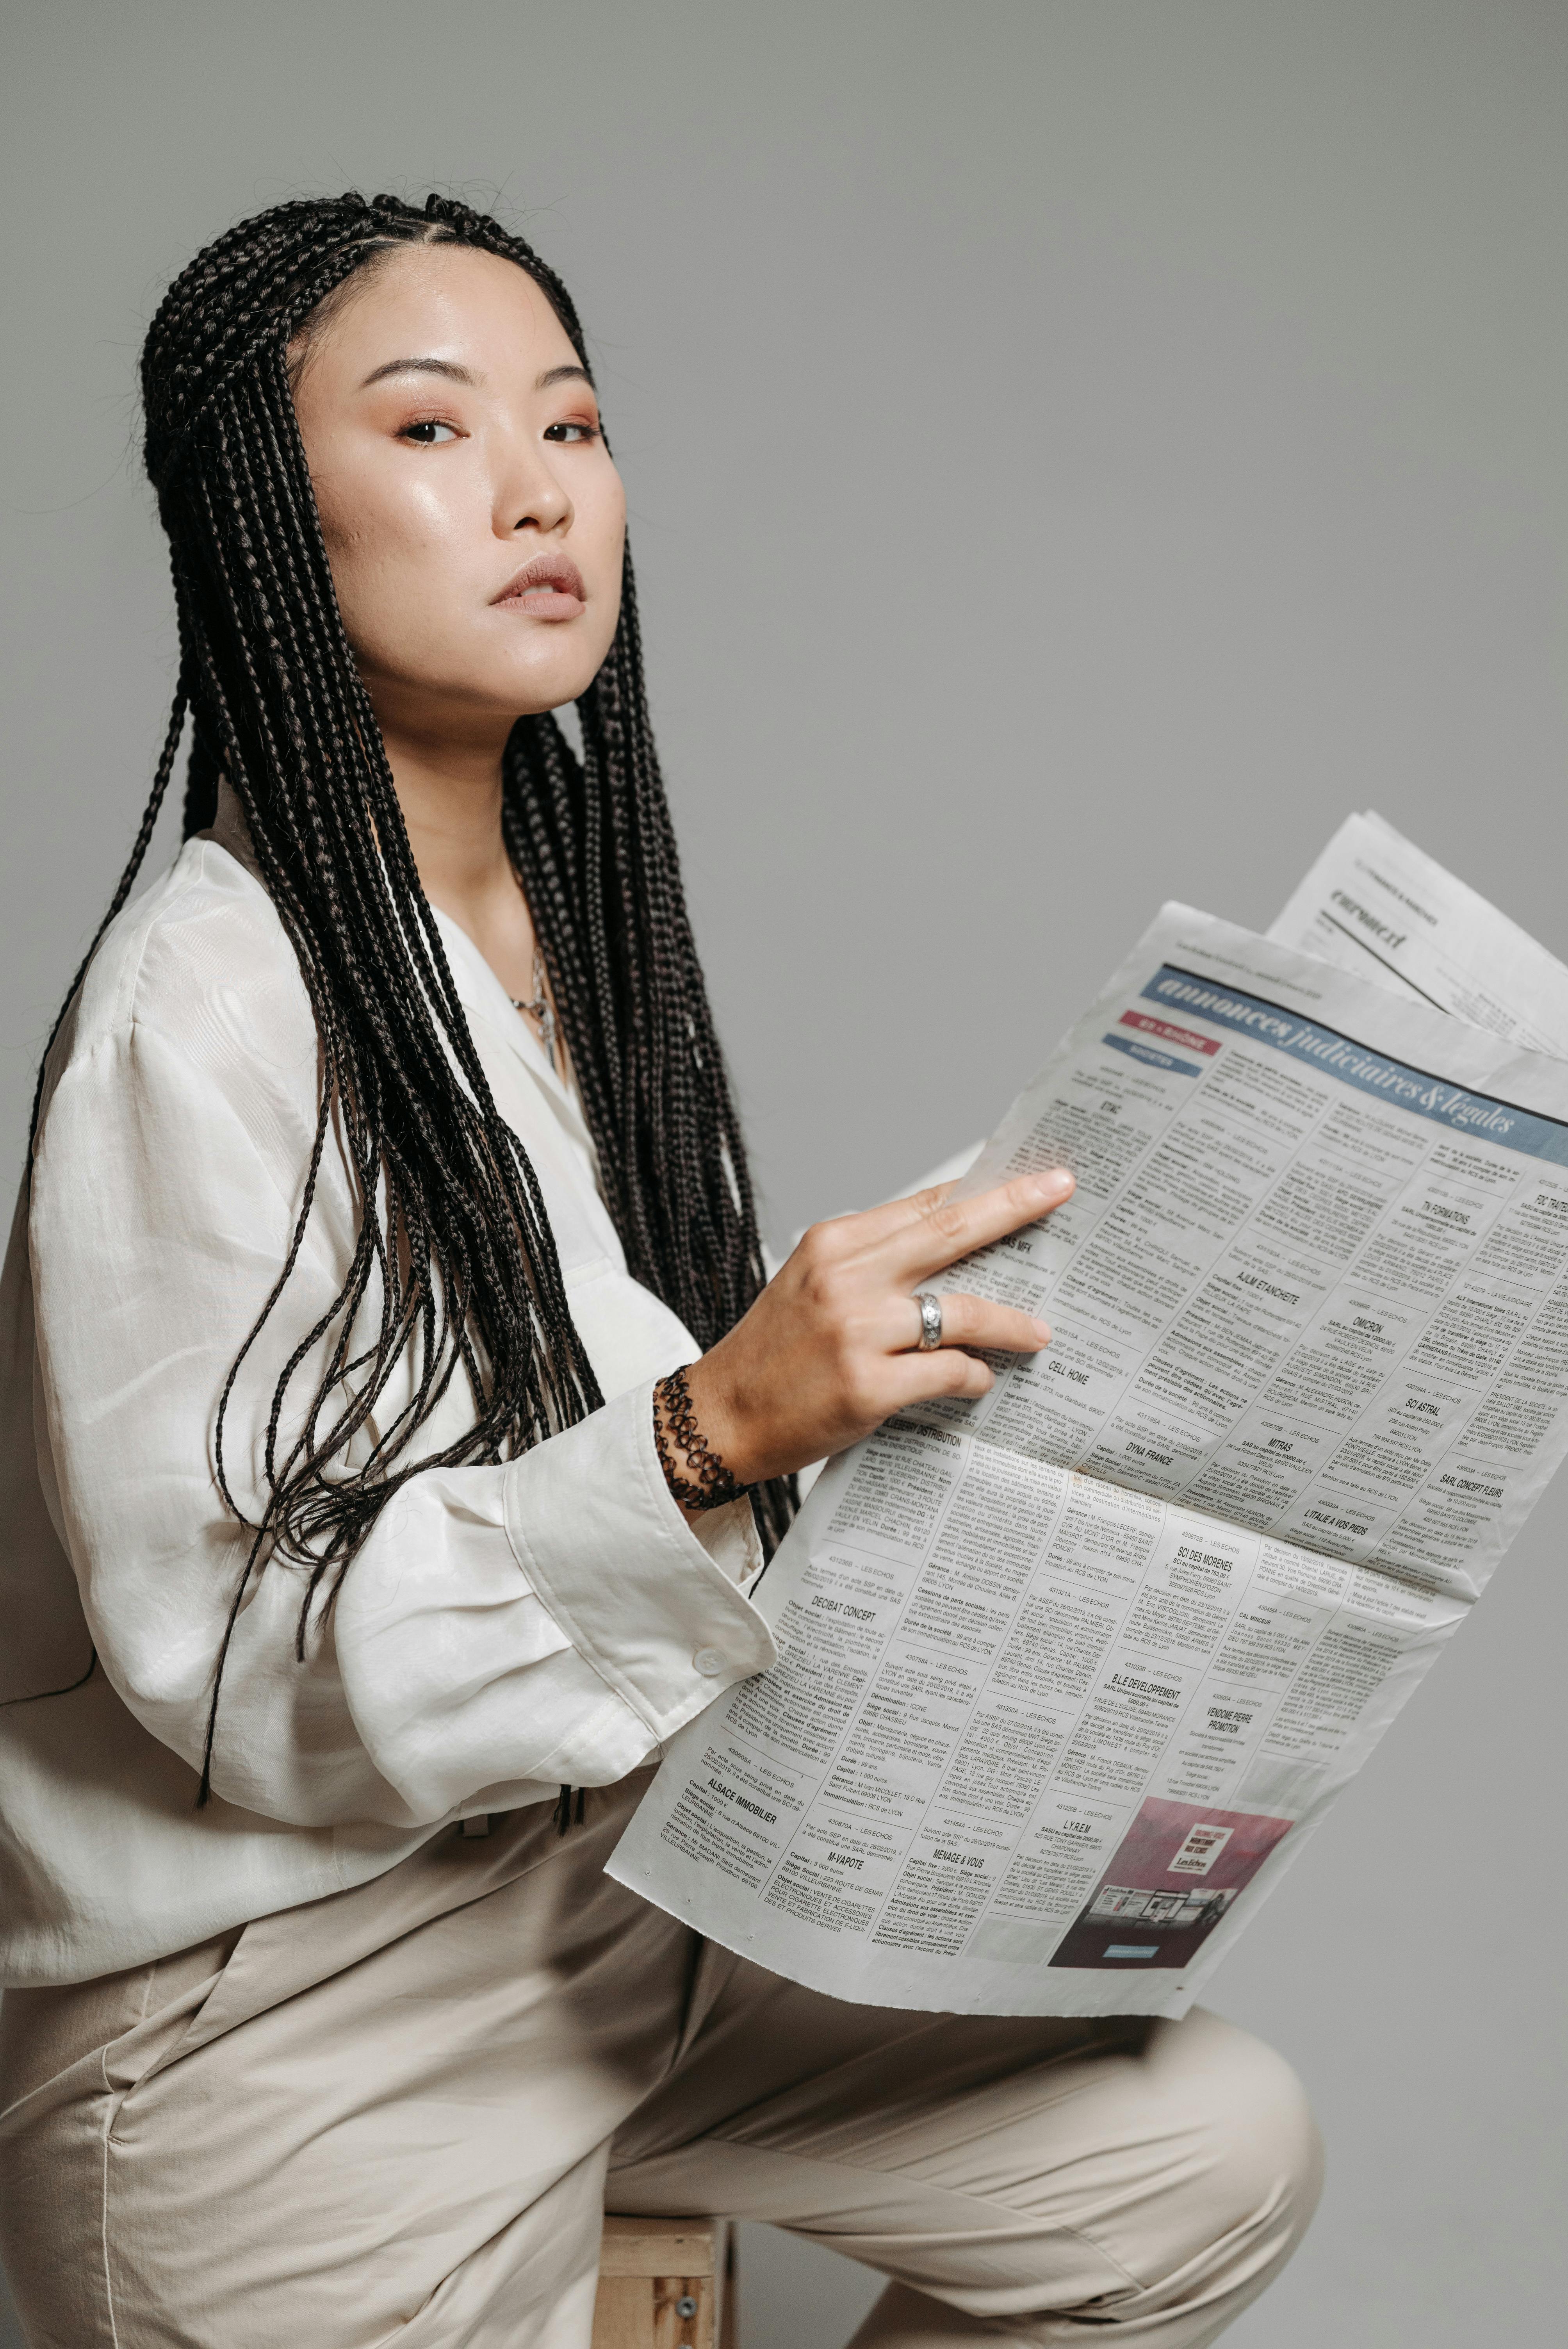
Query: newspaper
x=1067, y=1675
x=1375, y=905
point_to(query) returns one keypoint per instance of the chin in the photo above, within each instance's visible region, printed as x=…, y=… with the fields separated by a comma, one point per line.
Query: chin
x=552, y=684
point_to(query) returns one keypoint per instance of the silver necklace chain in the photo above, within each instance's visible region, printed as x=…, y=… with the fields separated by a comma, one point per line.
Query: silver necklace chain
x=539, y=1009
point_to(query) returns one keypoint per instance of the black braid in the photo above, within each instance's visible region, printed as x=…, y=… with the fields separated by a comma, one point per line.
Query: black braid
x=452, y=1229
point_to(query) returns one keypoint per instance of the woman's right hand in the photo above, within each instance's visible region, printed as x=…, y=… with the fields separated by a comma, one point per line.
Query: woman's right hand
x=828, y=1352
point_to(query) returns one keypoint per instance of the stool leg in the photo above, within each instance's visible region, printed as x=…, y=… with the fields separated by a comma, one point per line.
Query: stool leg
x=623, y=2313
x=647, y=2299
x=730, y=2307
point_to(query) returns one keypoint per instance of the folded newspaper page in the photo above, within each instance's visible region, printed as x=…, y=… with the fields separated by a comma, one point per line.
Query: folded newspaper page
x=1067, y=1675
x=1375, y=905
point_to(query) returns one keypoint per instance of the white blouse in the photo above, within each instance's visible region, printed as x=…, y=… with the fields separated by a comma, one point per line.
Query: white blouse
x=502, y=1630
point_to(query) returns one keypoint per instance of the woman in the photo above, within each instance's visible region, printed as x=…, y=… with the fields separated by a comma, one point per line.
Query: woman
x=393, y=1400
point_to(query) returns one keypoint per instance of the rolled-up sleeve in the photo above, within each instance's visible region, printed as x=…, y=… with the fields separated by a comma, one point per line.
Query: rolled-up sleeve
x=558, y=1613
x=553, y=1617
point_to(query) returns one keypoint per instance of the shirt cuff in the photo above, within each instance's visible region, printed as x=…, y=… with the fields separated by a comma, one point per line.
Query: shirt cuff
x=653, y=1609
x=730, y=1536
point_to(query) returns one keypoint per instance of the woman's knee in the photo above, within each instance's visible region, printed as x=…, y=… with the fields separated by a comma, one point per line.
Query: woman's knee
x=1255, y=2156
x=1208, y=2176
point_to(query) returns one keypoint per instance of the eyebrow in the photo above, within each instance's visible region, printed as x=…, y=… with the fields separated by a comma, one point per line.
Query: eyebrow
x=455, y=373
x=448, y=367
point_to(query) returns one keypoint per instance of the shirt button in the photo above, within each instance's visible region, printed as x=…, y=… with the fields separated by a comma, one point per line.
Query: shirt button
x=710, y=1662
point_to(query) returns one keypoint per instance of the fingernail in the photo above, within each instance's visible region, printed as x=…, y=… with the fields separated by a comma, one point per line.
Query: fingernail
x=1042, y=1331
x=1053, y=1186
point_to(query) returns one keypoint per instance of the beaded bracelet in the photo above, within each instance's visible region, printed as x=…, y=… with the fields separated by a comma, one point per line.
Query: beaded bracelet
x=715, y=1485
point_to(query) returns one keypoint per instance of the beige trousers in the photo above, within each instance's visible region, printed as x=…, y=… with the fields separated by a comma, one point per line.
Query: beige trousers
x=395, y=2116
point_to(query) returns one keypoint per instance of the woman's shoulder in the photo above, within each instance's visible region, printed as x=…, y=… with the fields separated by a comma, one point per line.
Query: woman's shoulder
x=201, y=955
x=199, y=964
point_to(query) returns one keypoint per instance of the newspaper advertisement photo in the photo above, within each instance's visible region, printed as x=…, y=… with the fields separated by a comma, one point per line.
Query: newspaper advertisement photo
x=1169, y=1884
x=1066, y=1673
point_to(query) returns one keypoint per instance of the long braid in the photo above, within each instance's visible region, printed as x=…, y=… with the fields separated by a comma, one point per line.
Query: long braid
x=454, y=1267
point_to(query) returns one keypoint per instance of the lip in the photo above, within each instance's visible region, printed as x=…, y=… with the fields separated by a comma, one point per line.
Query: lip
x=550, y=587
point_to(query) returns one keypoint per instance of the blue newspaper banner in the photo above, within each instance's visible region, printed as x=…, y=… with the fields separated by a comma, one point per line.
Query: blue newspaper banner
x=1356, y=1064
x=1155, y=1059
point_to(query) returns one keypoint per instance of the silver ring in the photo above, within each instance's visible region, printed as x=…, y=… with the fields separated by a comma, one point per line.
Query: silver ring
x=930, y=1336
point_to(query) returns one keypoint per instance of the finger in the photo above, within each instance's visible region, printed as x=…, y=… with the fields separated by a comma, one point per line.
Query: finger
x=917, y=1378
x=968, y=1321
x=869, y=1224
x=937, y=1235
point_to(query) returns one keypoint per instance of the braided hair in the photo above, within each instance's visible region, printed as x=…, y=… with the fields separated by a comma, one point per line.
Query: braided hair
x=454, y=1260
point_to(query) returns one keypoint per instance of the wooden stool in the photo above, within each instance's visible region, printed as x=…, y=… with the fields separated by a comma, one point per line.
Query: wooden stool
x=667, y=2284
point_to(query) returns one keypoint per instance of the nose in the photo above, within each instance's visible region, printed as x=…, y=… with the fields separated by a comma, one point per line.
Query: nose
x=529, y=496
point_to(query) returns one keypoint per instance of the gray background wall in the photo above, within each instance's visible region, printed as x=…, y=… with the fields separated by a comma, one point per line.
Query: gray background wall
x=1077, y=453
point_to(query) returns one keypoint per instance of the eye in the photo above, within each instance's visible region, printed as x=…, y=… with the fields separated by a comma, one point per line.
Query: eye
x=570, y=432
x=427, y=432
